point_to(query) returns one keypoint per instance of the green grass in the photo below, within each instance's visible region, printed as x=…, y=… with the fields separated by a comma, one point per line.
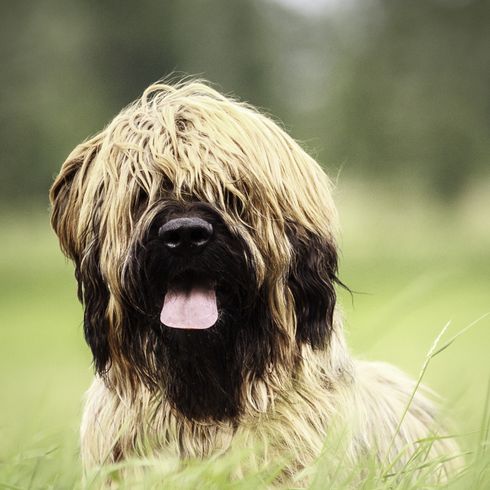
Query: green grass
x=415, y=270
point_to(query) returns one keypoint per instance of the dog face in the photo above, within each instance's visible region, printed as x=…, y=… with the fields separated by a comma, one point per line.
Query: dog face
x=203, y=243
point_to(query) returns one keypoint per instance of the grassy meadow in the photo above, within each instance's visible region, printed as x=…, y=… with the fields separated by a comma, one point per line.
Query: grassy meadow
x=414, y=266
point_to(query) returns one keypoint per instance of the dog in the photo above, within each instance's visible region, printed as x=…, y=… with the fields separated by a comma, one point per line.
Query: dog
x=204, y=244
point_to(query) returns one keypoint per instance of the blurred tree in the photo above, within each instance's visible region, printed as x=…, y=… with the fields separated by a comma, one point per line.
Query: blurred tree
x=388, y=88
x=70, y=66
x=409, y=93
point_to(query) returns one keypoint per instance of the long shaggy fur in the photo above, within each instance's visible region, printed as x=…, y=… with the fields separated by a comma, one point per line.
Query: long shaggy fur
x=274, y=372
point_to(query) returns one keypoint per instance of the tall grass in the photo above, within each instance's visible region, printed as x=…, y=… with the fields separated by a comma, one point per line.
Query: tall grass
x=47, y=466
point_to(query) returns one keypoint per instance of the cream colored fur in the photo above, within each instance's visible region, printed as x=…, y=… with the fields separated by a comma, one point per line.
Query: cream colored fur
x=223, y=152
x=363, y=400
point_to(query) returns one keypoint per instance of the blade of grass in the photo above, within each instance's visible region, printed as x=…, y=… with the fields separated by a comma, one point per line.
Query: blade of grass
x=416, y=387
x=433, y=351
x=459, y=334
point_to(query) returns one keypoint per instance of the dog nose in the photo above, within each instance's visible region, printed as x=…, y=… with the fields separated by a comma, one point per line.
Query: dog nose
x=186, y=235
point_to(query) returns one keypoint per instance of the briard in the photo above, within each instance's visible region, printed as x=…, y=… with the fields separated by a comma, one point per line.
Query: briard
x=204, y=245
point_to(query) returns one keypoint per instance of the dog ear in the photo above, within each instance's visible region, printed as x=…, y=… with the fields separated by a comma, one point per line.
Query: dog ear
x=312, y=279
x=66, y=197
x=94, y=294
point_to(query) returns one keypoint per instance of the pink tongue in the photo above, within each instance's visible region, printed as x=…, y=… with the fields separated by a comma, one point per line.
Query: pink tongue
x=196, y=309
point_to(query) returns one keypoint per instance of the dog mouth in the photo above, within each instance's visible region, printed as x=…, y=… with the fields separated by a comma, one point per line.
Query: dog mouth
x=190, y=303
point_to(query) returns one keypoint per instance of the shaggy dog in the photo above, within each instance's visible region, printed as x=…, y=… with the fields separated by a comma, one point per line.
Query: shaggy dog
x=203, y=239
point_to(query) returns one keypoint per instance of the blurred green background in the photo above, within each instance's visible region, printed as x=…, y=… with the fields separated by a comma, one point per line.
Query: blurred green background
x=391, y=96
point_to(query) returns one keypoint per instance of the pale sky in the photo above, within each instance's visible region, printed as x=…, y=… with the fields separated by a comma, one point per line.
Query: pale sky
x=314, y=6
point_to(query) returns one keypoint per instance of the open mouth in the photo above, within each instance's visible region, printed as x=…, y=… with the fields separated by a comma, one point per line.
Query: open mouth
x=190, y=303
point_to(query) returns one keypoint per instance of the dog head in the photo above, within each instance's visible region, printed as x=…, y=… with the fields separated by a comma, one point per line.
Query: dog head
x=203, y=243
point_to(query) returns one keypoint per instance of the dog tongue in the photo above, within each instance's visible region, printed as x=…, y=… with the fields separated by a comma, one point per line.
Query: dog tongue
x=194, y=309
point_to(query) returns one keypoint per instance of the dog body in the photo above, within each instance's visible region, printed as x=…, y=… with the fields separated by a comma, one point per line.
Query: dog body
x=368, y=400
x=204, y=246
